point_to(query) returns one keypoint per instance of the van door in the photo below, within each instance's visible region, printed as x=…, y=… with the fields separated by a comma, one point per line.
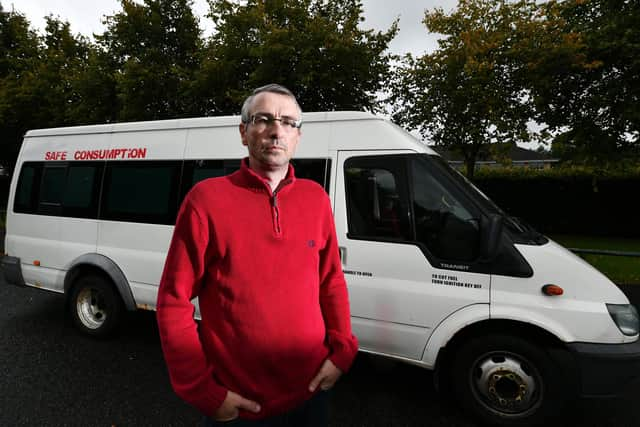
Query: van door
x=408, y=242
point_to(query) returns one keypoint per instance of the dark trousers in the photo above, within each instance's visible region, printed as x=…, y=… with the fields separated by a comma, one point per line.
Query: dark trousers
x=312, y=413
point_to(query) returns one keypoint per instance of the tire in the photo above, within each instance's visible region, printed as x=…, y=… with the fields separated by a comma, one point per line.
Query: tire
x=503, y=380
x=96, y=307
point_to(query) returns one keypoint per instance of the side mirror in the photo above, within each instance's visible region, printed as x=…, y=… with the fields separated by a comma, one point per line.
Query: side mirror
x=491, y=232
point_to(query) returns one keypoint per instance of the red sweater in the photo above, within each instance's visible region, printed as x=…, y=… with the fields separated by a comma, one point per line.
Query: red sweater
x=272, y=295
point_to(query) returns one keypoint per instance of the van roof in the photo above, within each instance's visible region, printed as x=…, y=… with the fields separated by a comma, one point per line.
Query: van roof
x=197, y=122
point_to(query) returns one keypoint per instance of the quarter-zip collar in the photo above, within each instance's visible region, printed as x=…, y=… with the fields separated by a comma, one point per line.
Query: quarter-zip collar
x=248, y=178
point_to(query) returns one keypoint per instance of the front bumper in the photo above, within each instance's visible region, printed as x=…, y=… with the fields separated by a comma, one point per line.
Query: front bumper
x=606, y=369
x=11, y=269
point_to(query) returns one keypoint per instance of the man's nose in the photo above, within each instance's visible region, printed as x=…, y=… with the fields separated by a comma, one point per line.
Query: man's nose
x=277, y=128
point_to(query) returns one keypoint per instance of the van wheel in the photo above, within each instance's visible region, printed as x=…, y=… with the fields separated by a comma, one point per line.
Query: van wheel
x=506, y=381
x=96, y=308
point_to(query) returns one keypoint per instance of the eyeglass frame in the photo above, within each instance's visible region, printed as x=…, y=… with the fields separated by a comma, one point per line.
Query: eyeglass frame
x=269, y=120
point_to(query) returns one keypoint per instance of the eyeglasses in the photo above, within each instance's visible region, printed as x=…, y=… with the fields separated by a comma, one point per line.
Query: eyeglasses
x=263, y=121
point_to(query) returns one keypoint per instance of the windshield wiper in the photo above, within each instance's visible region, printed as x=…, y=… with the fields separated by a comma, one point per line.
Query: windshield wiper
x=526, y=231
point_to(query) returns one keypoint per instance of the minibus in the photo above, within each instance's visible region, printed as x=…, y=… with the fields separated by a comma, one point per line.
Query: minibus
x=514, y=325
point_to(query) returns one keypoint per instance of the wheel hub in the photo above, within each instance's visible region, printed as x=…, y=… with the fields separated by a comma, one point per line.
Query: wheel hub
x=90, y=308
x=507, y=387
x=506, y=384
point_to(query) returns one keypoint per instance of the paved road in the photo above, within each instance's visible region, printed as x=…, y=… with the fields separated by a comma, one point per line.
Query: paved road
x=52, y=376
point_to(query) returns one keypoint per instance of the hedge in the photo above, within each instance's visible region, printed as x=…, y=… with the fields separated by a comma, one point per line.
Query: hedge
x=567, y=200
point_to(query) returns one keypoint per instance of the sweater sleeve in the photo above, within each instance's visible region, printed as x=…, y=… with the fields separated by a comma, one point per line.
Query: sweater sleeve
x=189, y=372
x=334, y=300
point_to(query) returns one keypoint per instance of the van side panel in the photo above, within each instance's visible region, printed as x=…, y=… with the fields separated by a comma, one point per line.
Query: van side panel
x=51, y=240
x=138, y=248
x=449, y=326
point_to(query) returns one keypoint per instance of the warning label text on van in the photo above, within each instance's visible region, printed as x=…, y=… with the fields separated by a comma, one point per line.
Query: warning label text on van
x=449, y=280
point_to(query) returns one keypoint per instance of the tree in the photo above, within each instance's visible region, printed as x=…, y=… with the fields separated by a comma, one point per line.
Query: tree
x=592, y=106
x=468, y=93
x=41, y=80
x=94, y=98
x=313, y=47
x=63, y=57
x=19, y=54
x=155, y=46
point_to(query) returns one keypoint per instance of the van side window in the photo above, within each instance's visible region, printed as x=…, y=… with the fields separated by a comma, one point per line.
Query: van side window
x=141, y=191
x=203, y=169
x=314, y=169
x=67, y=189
x=195, y=171
x=403, y=198
x=52, y=189
x=443, y=222
x=82, y=189
x=53, y=185
x=198, y=170
x=378, y=204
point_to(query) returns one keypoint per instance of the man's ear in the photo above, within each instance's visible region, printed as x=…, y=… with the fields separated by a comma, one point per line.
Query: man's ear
x=242, y=127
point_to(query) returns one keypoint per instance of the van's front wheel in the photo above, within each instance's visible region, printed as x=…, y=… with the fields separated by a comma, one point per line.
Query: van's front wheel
x=96, y=308
x=507, y=381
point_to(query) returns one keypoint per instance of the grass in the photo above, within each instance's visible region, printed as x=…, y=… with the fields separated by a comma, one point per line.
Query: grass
x=620, y=269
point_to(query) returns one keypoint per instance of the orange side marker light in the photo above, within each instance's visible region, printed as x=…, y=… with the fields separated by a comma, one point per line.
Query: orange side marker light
x=552, y=290
x=36, y=263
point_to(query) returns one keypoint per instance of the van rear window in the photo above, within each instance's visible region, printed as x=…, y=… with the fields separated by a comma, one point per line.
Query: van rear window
x=26, y=197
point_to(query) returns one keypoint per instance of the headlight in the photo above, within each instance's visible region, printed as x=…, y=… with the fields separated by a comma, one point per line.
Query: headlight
x=625, y=316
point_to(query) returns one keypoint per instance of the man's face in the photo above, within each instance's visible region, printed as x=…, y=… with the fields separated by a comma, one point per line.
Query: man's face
x=271, y=146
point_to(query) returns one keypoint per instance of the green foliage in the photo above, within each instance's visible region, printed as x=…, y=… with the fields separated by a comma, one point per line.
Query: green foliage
x=94, y=97
x=152, y=63
x=576, y=199
x=19, y=54
x=37, y=76
x=592, y=107
x=573, y=66
x=468, y=92
x=155, y=48
x=63, y=58
x=313, y=47
x=567, y=172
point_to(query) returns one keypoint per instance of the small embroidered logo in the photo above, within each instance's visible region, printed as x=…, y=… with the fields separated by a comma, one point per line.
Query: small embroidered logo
x=311, y=243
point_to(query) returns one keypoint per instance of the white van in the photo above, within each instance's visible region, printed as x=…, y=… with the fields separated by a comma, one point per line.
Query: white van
x=438, y=276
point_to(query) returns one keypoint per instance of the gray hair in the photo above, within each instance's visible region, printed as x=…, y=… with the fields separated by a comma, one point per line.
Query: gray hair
x=273, y=88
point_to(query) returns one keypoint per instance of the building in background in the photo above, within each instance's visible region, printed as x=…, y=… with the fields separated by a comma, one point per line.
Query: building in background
x=502, y=155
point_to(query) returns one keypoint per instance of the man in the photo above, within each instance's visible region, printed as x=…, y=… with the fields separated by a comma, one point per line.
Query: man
x=259, y=250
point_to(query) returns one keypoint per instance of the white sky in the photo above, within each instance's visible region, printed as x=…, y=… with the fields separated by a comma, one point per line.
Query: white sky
x=86, y=17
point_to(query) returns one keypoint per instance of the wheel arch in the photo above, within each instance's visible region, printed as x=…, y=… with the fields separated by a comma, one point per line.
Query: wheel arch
x=528, y=331
x=96, y=263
